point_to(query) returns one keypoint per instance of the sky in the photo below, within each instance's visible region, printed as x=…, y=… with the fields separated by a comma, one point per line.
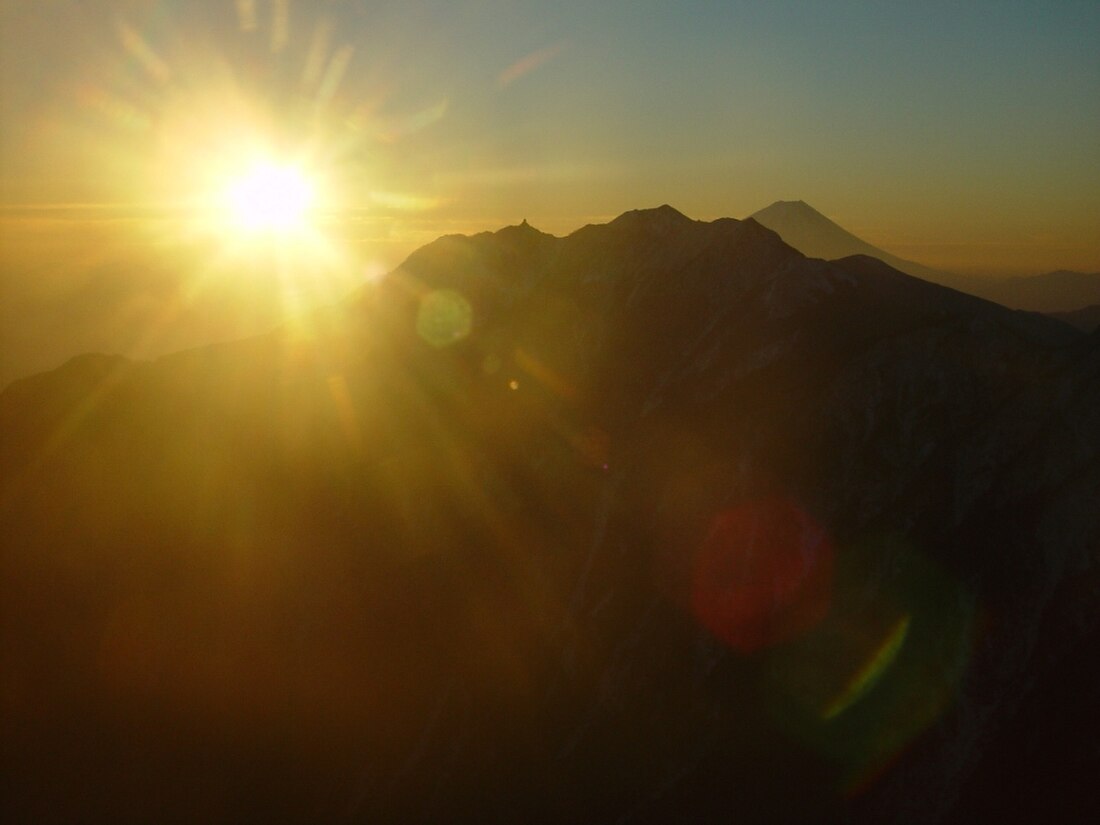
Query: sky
x=965, y=136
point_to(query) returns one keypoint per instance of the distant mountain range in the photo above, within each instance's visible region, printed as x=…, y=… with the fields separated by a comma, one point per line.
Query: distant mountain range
x=662, y=521
x=142, y=301
x=1086, y=320
x=813, y=234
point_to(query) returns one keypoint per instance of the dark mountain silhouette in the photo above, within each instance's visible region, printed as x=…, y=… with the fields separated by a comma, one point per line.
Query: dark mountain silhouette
x=810, y=232
x=661, y=521
x=1086, y=320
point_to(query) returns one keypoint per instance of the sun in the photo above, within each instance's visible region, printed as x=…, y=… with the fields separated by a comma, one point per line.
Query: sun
x=270, y=198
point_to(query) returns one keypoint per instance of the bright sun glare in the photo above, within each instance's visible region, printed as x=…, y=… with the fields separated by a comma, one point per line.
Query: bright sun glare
x=270, y=197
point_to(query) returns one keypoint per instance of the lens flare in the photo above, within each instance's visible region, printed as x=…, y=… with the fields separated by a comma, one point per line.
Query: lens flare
x=876, y=666
x=444, y=317
x=886, y=663
x=763, y=575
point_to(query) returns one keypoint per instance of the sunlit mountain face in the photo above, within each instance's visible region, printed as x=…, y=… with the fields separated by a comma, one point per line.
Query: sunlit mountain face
x=659, y=521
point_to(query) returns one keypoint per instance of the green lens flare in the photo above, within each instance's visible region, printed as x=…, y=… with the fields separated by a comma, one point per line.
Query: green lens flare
x=444, y=318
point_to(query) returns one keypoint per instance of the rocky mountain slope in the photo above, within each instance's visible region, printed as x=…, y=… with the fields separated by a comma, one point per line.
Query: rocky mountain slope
x=661, y=521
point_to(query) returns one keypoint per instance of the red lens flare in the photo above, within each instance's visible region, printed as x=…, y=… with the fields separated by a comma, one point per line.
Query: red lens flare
x=763, y=575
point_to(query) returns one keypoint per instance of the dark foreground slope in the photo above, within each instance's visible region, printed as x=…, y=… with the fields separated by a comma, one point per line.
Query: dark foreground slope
x=658, y=522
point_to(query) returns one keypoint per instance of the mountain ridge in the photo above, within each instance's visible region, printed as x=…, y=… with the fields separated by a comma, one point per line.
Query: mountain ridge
x=815, y=235
x=461, y=541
